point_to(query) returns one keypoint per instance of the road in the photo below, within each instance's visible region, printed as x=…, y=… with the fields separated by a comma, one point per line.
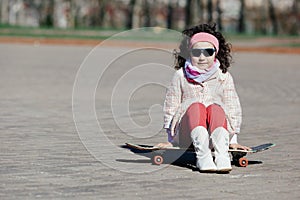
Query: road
x=44, y=154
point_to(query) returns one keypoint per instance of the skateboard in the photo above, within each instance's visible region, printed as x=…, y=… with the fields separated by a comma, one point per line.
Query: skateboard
x=172, y=154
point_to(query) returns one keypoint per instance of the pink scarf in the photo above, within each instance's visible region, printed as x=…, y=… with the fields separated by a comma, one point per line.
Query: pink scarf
x=196, y=75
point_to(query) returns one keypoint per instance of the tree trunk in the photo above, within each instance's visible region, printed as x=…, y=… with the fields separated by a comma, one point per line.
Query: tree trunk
x=170, y=15
x=241, y=23
x=210, y=10
x=273, y=17
x=188, y=13
x=50, y=11
x=46, y=19
x=219, y=20
x=1, y=11
x=294, y=30
x=147, y=22
x=201, y=11
x=130, y=14
x=102, y=5
x=263, y=20
x=136, y=19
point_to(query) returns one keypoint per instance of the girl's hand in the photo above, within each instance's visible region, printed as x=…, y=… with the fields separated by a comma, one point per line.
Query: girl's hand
x=164, y=145
x=238, y=146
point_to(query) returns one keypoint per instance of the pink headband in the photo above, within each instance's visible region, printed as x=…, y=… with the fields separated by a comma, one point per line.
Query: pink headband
x=204, y=37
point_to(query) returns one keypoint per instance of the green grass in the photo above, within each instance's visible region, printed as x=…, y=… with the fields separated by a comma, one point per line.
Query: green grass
x=293, y=45
x=17, y=31
x=84, y=33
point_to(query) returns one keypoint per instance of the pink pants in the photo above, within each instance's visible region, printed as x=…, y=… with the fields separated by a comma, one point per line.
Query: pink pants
x=197, y=114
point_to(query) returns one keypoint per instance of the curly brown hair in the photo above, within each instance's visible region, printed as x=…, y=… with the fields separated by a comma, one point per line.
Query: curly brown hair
x=224, y=54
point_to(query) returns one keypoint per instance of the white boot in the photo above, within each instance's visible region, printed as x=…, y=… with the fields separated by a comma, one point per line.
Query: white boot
x=200, y=140
x=220, y=141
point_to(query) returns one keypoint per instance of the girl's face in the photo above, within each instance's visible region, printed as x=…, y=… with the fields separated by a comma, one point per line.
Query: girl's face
x=207, y=56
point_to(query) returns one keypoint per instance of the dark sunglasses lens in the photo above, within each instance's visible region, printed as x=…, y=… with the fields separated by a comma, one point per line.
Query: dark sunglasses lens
x=206, y=52
x=196, y=52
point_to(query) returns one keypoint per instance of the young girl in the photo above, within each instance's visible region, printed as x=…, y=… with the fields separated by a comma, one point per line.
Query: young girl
x=202, y=107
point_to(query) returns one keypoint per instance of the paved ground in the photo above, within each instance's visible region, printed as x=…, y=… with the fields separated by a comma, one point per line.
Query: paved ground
x=42, y=156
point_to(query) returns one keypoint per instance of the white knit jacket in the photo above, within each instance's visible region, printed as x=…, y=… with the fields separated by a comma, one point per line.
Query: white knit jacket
x=218, y=89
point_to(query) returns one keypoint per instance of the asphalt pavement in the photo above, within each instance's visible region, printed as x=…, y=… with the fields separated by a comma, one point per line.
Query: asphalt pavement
x=66, y=110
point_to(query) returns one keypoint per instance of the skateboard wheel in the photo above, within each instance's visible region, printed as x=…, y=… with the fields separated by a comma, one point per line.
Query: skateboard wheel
x=157, y=160
x=243, y=162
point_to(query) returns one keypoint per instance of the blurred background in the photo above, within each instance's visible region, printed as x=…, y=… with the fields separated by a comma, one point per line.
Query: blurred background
x=260, y=17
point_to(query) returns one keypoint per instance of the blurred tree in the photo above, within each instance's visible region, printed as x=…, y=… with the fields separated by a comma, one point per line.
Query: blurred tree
x=201, y=11
x=102, y=7
x=170, y=15
x=219, y=19
x=137, y=14
x=263, y=19
x=209, y=10
x=46, y=13
x=266, y=17
x=49, y=14
x=147, y=17
x=191, y=13
x=188, y=15
x=241, y=22
x=71, y=13
x=1, y=11
x=273, y=17
x=130, y=14
x=295, y=25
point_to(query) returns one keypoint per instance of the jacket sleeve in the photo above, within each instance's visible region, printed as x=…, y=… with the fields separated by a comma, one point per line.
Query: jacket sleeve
x=232, y=105
x=172, y=100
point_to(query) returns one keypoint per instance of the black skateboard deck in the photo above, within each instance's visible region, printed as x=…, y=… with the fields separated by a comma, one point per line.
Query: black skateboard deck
x=171, y=154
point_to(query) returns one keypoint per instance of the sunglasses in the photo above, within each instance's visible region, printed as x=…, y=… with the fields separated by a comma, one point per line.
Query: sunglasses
x=206, y=52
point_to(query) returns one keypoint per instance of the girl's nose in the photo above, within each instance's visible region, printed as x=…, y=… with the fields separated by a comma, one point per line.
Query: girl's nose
x=201, y=57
